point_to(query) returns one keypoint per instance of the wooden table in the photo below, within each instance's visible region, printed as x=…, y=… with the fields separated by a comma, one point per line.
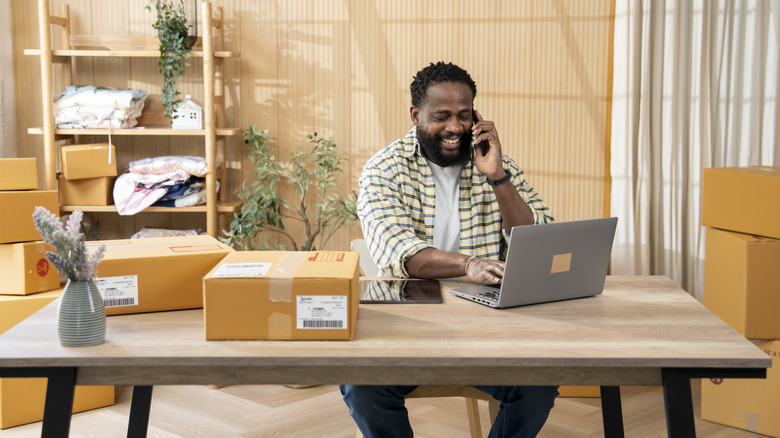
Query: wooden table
x=640, y=331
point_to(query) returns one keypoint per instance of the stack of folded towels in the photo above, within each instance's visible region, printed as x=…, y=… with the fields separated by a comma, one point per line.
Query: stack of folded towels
x=170, y=181
x=87, y=106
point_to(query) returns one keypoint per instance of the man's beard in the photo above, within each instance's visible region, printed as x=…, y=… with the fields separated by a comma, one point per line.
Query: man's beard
x=431, y=148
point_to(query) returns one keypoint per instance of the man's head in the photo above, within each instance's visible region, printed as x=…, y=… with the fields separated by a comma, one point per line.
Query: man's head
x=442, y=104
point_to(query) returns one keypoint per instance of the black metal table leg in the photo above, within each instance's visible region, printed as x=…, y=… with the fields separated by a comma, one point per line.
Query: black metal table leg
x=141, y=405
x=59, y=402
x=612, y=412
x=678, y=403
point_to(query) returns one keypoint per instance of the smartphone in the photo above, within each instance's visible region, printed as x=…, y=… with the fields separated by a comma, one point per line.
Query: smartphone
x=483, y=146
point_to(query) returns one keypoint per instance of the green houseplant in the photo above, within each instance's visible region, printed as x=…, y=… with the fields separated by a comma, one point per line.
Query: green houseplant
x=318, y=206
x=175, y=50
x=81, y=318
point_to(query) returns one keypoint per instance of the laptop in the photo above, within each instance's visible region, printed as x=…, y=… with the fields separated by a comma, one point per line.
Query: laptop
x=550, y=262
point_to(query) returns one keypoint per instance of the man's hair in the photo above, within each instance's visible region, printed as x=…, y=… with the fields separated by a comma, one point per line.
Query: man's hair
x=437, y=74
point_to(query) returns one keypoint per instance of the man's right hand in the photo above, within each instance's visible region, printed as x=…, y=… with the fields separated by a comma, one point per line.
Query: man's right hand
x=485, y=271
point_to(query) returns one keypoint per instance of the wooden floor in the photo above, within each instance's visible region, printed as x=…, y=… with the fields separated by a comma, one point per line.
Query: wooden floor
x=278, y=411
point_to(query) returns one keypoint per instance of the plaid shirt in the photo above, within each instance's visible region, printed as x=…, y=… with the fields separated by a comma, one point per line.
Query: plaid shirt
x=396, y=207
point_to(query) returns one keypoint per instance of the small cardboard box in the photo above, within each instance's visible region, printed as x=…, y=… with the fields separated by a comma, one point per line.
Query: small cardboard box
x=22, y=400
x=25, y=269
x=581, y=391
x=88, y=160
x=282, y=295
x=17, y=207
x=18, y=174
x=750, y=404
x=156, y=274
x=742, y=199
x=742, y=280
x=88, y=191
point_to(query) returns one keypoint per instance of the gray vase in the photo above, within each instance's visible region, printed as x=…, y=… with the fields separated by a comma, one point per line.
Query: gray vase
x=81, y=320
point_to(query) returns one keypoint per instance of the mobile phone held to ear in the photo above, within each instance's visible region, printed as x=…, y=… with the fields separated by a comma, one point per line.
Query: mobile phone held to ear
x=482, y=146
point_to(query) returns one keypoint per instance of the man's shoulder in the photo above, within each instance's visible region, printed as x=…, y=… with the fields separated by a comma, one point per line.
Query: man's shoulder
x=397, y=155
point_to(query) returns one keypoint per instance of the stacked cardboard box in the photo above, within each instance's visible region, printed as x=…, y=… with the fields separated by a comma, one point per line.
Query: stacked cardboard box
x=29, y=283
x=741, y=210
x=88, y=174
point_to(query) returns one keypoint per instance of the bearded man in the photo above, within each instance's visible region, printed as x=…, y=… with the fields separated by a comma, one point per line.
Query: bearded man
x=432, y=205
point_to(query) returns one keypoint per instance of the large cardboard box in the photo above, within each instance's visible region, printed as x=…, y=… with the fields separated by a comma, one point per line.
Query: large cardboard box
x=156, y=274
x=282, y=295
x=742, y=199
x=88, y=191
x=25, y=269
x=742, y=281
x=17, y=207
x=88, y=160
x=18, y=174
x=22, y=400
x=750, y=404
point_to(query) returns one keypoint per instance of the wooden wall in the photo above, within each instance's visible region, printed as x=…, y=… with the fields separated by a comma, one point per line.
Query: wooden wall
x=343, y=68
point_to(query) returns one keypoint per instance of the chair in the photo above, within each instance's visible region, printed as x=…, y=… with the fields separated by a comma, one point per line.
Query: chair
x=369, y=269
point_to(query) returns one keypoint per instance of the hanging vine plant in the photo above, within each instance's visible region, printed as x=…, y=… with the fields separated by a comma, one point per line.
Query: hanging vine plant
x=175, y=50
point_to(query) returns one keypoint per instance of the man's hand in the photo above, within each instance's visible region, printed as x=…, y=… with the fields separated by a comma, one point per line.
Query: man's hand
x=484, y=271
x=489, y=165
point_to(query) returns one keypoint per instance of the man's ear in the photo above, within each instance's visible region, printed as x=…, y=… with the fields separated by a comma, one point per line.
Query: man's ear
x=414, y=114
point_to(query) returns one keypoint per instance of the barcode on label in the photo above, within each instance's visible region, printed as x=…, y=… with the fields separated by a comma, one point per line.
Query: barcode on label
x=118, y=302
x=322, y=324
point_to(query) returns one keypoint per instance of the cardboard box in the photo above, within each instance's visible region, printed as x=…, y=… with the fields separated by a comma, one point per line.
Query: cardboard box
x=742, y=281
x=88, y=160
x=750, y=404
x=156, y=274
x=742, y=199
x=583, y=391
x=17, y=207
x=18, y=174
x=25, y=269
x=22, y=400
x=88, y=191
x=15, y=308
x=282, y=295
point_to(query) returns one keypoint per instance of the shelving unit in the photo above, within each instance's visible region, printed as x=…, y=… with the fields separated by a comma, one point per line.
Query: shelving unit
x=151, y=123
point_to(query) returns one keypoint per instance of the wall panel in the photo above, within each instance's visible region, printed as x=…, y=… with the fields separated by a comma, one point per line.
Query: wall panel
x=343, y=68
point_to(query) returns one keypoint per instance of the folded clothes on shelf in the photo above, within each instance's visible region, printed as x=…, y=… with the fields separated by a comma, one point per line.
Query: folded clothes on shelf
x=88, y=106
x=161, y=182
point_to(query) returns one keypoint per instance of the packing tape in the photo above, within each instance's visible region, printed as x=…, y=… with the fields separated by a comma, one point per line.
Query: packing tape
x=279, y=326
x=281, y=280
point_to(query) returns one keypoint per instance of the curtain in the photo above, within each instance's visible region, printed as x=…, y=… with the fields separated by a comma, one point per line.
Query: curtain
x=7, y=119
x=694, y=86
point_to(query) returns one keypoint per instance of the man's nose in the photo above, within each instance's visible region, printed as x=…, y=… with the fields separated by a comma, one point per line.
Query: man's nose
x=453, y=125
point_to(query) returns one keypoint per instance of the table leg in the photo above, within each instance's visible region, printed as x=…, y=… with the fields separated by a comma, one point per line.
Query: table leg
x=612, y=411
x=678, y=403
x=138, y=424
x=59, y=402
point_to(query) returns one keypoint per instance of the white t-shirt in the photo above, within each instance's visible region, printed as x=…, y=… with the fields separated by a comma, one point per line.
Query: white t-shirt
x=446, y=222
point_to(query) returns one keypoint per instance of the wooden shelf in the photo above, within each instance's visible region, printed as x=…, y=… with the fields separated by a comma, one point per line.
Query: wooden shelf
x=220, y=132
x=120, y=54
x=222, y=207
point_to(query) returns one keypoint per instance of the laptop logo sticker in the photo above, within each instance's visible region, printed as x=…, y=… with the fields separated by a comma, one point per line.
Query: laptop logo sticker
x=561, y=263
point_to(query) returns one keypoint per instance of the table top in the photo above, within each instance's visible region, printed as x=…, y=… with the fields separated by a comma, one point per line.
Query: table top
x=625, y=336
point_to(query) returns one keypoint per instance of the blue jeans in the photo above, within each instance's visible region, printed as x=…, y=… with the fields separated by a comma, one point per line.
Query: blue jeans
x=379, y=411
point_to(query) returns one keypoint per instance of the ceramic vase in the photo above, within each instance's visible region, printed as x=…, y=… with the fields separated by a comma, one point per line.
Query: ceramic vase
x=81, y=320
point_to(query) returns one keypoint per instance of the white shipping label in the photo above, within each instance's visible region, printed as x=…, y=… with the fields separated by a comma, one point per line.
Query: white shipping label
x=322, y=312
x=118, y=291
x=229, y=270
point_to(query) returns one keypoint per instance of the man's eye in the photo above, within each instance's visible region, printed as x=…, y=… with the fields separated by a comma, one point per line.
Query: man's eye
x=440, y=118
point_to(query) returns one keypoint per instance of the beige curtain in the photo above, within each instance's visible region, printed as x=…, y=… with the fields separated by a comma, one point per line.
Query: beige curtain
x=7, y=119
x=695, y=86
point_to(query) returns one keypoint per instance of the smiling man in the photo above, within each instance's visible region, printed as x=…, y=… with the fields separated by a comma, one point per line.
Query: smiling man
x=431, y=205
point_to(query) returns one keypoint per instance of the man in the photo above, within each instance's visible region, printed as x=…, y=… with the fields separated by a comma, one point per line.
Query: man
x=432, y=205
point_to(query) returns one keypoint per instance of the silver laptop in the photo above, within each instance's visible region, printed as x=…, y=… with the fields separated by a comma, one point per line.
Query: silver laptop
x=550, y=262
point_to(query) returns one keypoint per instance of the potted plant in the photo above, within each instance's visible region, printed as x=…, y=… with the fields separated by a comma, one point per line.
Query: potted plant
x=318, y=206
x=81, y=318
x=175, y=49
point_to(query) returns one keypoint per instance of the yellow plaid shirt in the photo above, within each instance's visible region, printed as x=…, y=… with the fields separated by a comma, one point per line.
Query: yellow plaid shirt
x=396, y=207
